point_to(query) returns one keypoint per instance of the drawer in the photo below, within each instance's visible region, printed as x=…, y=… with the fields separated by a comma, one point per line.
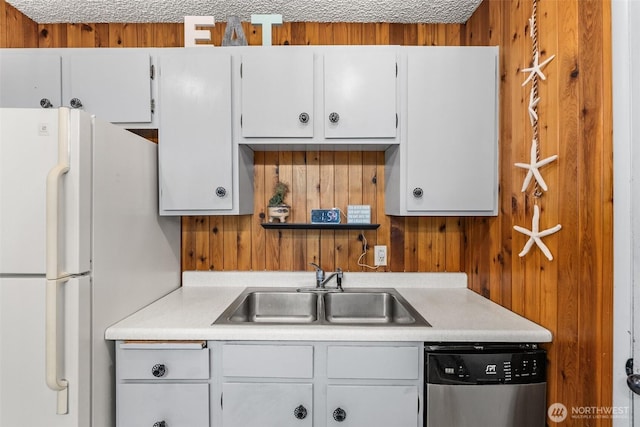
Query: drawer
x=151, y=404
x=175, y=362
x=373, y=362
x=267, y=361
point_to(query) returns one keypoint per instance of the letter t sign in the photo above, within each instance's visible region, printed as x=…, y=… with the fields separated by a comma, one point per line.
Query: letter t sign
x=266, y=21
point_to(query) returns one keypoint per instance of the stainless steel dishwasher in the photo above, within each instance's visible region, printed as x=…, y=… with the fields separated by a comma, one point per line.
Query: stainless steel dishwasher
x=497, y=385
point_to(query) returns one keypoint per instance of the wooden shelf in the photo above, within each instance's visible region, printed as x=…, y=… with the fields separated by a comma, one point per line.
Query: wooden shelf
x=308, y=226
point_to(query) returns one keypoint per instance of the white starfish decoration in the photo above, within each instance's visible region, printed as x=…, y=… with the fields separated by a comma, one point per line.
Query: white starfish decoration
x=533, y=166
x=531, y=26
x=536, y=68
x=533, y=103
x=535, y=235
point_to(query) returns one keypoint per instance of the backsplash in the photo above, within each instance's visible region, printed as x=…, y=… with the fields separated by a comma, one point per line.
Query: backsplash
x=321, y=180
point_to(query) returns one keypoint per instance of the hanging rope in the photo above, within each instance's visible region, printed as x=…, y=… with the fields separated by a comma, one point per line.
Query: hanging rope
x=535, y=70
x=537, y=193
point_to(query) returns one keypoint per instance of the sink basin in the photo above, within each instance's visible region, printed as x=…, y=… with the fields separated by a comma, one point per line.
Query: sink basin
x=274, y=307
x=353, y=307
x=366, y=307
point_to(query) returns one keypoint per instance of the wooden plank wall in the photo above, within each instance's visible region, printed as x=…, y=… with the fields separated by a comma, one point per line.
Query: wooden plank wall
x=572, y=295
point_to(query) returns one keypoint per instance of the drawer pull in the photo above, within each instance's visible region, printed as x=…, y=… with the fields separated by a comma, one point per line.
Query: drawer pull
x=160, y=424
x=300, y=412
x=339, y=415
x=159, y=371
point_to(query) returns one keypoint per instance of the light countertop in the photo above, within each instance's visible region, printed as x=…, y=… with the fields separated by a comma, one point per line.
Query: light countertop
x=456, y=314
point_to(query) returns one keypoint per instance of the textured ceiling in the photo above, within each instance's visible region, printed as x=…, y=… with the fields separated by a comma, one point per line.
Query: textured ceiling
x=100, y=11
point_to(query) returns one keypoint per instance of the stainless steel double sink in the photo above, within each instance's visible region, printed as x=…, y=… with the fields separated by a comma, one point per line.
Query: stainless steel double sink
x=287, y=306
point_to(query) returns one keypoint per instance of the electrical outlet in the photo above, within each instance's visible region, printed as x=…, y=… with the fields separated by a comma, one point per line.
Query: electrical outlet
x=380, y=255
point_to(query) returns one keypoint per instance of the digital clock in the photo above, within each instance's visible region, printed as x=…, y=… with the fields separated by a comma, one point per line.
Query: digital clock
x=325, y=216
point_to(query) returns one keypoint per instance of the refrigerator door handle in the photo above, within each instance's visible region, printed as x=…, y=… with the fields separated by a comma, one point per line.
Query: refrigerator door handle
x=51, y=343
x=53, y=195
x=54, y=276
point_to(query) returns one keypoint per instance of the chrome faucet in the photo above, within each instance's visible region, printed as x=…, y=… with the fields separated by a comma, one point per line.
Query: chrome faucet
x=321, y=280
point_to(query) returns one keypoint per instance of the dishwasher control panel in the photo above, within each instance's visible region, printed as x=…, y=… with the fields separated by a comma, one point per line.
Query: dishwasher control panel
x=485, y=365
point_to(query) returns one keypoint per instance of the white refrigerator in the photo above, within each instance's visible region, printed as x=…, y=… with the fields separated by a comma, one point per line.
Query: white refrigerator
x=81, y=247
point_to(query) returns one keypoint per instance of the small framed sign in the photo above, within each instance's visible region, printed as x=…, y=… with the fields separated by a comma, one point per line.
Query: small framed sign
x=359, y=214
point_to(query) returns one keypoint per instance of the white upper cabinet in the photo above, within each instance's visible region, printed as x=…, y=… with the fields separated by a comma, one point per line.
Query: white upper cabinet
x=30, y=80
x=447, y=163
x=115, y=86
x=195, y=146
x=277, y=93
x=201, y=171
x=321, y=95
x=360, y=93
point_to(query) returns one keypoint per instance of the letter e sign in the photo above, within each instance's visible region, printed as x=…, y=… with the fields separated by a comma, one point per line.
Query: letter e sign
x=192, y=35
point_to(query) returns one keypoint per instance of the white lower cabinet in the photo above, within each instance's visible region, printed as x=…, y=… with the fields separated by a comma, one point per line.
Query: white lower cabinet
x=372, y=405
x=163, y=405
x=162, y=384
x=373, y=385
x=267, y=385
x=267, y=404
x=270, y=384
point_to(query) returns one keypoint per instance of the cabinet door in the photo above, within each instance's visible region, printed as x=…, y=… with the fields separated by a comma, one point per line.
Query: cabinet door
x=195, y=145
x=30, y=80
x=452, y=149
x=360, y=94
x=267, y=405
x=277, y=93
x=115, y=86
x=372, y=406
x=151, y=404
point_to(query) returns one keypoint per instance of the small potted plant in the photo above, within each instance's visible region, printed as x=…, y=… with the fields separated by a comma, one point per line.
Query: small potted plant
x=277, y=208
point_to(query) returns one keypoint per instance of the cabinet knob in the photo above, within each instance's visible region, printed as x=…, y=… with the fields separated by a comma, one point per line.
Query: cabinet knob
x=417, y=192
x=45, y=103
x=339, y=415
x=75, y=103
x=159, y=370
x=304, y=118
x=221, y=191
x=160, y=424
x=300, y=412
x=334, y=117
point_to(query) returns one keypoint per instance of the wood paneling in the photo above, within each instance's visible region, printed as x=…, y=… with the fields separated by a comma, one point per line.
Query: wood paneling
x=571, y=295
x=16, y=30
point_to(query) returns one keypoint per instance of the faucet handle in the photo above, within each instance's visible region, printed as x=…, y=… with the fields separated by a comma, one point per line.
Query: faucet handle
x=316, y=266
x=319, y=273
x=339, y=277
